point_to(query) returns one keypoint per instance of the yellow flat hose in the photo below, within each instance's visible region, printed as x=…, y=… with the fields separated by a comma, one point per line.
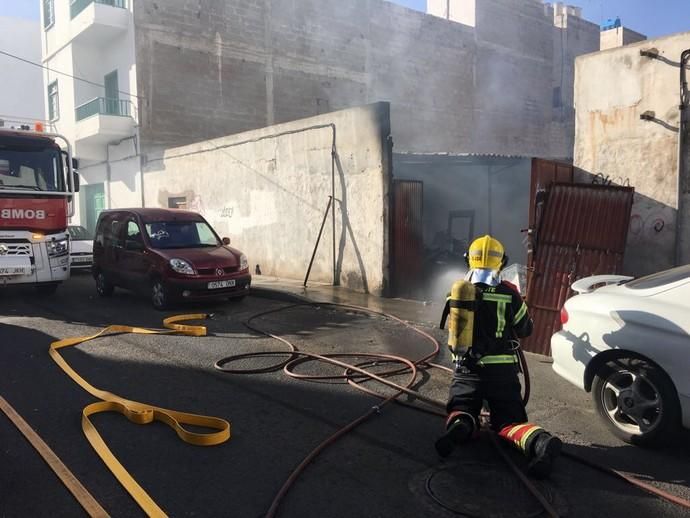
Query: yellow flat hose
x=140, y=413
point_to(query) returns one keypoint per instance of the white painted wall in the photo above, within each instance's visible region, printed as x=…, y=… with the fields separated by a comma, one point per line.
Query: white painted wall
x=269, y=196
x=21, y=88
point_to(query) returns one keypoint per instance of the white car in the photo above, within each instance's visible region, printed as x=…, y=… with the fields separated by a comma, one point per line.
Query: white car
x=628, y=342
x=81, y=248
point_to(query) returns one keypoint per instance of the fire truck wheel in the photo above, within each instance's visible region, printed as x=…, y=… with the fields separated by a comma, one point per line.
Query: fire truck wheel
x=103, y=287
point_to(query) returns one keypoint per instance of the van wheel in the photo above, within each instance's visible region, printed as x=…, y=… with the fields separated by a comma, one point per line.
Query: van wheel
x=159, y=295
x=103, y=286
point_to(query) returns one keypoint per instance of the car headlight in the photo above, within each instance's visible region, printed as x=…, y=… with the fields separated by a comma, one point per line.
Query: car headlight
x=181, y=266
x=244, y=263
x=57, y=247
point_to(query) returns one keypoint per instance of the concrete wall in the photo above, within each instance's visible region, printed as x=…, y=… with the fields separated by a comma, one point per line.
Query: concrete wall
x=619, y=37
x=267, y=190
x=612, y=89
x=461, y=11
x=572, y=37
x=226, y=66
x=495, y=190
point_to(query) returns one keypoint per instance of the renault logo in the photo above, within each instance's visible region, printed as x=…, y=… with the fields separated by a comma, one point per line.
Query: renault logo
x=219, y=272
x=4, y=250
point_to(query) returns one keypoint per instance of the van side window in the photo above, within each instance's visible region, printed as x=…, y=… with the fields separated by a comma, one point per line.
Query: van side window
x=133, y=232
x=113, y=234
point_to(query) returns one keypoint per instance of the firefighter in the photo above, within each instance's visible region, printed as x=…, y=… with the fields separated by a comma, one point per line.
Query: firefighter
x=487, y=316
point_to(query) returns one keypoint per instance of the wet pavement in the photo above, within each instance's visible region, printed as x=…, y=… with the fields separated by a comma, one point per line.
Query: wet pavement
x=386, y=468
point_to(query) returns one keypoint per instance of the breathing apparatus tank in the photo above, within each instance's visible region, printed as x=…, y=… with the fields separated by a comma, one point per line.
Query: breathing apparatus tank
x=460, y=307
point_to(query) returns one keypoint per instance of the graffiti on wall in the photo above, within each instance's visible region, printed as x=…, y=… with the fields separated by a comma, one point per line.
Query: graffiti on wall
x=600, y=179
x=646, y=225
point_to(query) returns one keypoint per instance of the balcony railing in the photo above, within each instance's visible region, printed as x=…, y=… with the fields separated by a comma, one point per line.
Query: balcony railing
x=103, y=106
x=78, y=6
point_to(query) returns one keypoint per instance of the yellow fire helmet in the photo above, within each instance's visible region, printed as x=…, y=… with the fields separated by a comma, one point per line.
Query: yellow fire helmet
x=486, y=252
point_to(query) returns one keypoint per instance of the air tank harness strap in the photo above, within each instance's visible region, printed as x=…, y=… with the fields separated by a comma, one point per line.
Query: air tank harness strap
x=140, y=413
x=470, y=305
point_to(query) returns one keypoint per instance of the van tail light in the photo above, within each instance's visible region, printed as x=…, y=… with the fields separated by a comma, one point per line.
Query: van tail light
x=564, y=316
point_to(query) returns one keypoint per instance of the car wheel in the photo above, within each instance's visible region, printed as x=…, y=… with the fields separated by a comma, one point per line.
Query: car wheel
x=637, y=401
x=159, y=295
x=47, y=289
x=103, y=286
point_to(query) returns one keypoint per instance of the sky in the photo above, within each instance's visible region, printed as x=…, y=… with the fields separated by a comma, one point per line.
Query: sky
x=645, y=16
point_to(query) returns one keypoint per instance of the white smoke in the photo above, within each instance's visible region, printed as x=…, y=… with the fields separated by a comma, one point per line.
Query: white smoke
x=440, y=284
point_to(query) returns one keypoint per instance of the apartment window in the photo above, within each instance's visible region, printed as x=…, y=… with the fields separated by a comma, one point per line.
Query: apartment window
x=48, y=14
x=53, y=101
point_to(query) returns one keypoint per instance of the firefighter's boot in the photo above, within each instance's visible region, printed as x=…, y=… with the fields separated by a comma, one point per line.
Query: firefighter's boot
x=458, y=430
x=544, y=450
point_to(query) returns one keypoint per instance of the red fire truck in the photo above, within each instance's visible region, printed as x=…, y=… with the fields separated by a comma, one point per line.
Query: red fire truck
x=37, y=187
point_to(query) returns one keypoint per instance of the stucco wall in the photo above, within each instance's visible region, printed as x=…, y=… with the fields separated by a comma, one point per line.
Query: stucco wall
x=612, y=89
x=226, y=66
x=494, y=190
x=269, y=195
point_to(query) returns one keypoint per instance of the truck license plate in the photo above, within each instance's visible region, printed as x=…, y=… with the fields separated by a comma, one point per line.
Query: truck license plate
x=82, y=259
x=221, y=284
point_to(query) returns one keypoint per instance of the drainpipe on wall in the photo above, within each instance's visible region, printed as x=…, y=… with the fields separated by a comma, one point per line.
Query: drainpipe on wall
x=681, y=185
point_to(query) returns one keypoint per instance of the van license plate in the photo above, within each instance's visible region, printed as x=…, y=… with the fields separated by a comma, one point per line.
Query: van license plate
x=221, y=284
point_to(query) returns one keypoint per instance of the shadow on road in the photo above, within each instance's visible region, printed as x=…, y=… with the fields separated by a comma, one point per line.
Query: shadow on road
x=276, y=423
x=668, y=464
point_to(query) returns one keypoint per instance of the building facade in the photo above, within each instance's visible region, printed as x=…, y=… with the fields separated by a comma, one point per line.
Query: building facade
x=21, y=90
x=629, y=131
x=90, y=83
x=493, y=77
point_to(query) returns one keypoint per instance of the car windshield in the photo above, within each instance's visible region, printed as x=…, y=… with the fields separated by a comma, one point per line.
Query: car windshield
x=31, y=169
x=181, y=234
x=78, y=233
x=661, y=278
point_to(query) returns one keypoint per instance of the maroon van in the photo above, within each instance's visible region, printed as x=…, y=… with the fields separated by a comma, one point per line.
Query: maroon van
x=171, y=255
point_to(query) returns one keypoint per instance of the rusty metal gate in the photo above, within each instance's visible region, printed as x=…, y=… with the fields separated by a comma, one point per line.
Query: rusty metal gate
x=544, y=174
x=408, y=243
x=582, y=232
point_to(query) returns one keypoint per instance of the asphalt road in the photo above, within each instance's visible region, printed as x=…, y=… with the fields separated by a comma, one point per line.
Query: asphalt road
x=386, y=468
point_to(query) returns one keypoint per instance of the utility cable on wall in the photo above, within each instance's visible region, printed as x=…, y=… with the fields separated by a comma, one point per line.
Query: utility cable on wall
x=65, y=73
